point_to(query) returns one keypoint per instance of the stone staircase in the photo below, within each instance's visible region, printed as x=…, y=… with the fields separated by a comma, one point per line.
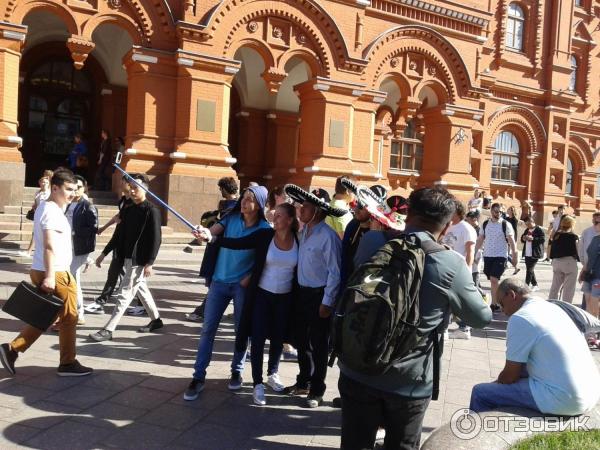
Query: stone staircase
x=15, y=232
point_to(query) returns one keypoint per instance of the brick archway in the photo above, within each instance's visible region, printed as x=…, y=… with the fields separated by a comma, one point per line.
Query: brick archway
x=525, y=120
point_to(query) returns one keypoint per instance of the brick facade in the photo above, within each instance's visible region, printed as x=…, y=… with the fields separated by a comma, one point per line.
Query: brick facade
x=381, y=82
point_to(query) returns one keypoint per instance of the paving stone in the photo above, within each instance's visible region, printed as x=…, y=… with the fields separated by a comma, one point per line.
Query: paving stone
x=43, y=414
x=109, y=414
x=173, y=416
x=71, y=434
x=141, y=436
x=81, y=396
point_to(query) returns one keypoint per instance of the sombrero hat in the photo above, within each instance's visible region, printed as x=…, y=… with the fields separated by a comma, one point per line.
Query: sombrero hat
x=379, y=211
x=297, y=194
x=377, y=192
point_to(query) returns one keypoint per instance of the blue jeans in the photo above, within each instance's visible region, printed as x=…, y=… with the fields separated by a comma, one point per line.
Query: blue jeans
x=217, y=300
x=490, y=396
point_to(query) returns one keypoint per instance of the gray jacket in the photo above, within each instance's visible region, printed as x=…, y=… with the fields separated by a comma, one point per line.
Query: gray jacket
x=447, y=286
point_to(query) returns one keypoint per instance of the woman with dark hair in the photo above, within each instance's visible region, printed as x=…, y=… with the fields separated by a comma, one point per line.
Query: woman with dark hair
x=104, y=163
x=269, y=294
x=276, y=197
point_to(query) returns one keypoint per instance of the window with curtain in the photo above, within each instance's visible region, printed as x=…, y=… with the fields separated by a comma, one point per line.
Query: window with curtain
x=505, y=158
x=515, y=27
x=569, y=178
x=407, y=152
x=573, y=80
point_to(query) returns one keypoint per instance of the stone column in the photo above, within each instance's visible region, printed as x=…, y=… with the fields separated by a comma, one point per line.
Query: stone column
x=12, y=168
x=200, y=155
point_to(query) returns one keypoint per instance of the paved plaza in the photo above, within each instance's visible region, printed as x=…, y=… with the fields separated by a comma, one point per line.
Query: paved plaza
x=134, y=398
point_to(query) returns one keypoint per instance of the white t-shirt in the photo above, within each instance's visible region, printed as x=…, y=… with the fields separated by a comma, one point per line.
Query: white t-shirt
x=40, y=196
x=278, y=274
x=563, y=376
x=556, y=222
x=49, y=216
x=495, y=245
x=458, y=235
x=475, y=204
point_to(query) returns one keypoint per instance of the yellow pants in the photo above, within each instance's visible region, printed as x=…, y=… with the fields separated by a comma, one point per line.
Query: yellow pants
x=66, y=290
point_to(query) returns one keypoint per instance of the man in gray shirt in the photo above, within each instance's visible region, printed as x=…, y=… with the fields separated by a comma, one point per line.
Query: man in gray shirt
x=398, y=399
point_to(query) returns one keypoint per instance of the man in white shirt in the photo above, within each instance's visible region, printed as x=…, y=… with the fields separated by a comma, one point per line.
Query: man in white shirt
x=461, y=238
x=548, y=367
x=584, y=241
x=497, y=237
x=50, y=273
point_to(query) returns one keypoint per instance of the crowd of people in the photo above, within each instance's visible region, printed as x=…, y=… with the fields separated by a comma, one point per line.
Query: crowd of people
x=285, y=258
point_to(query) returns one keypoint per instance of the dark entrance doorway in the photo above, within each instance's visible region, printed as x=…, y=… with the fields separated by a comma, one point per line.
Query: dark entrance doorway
x=56, y=102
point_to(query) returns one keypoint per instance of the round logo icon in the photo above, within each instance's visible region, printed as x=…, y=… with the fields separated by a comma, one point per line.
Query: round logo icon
x=465, y=424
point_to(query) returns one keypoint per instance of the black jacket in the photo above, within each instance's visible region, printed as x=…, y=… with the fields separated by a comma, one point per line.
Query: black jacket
x=259, y=241
x=149, y=239
x=85, y=227
x=537, y=245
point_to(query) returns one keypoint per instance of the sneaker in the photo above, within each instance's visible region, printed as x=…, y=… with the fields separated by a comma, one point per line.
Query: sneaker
x=259, y=395
x=337, y=402
x=8, y=357
x=102, y=335
x=275, y=383
x=81, y=321
x=446, y=335
x=101, y=300
x=535, y=288
x=291, y=355
x=235, y=382
x=295, y=390
x=136, y=311
x=193, y=317
x=314, y=401
x=75, y=369
x=193, y=390
x=461, y=334
x=153, y=325
x=517, y=270
x=94, y=308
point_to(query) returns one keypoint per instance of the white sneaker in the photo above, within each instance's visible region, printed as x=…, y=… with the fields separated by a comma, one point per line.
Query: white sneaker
x=259, y=395
x=535, y=288
x=275, y=383
x=136, y=311
x=446, y=335
x=461, y=334
x=24, y=254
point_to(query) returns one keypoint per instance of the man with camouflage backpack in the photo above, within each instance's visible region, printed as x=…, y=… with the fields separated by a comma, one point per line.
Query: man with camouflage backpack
x=395, y=390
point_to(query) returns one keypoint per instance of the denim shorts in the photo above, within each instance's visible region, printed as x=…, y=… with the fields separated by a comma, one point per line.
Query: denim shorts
x=591, y=287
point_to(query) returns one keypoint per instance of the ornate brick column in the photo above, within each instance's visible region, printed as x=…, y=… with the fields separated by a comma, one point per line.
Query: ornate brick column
x=12, y=168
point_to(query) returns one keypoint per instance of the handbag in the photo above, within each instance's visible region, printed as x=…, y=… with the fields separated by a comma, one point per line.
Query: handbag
x=30, y=214
x=33, y=306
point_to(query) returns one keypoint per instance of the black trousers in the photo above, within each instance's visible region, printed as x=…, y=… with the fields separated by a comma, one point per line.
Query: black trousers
x=311, y=336
x=530, y=274
x=365, y=409
x=116, y=271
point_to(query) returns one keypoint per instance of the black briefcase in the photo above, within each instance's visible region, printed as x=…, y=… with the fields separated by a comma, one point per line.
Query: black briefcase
x=33, y=306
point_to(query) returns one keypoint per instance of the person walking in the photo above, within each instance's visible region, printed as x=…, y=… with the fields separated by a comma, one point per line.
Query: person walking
x=104, y=163
x=398, y=398
x=472, y=218
x=584, y=242
x=77, y=158
x=83, y=219
x=497, y=238
x=533, y=239
x=319, y=281
x=476, y=203
x=40, y=196
x=137, y=241
x=230, y=273
x=590, y=275
x=564, y=255
x=268, y=299
x=50, y=273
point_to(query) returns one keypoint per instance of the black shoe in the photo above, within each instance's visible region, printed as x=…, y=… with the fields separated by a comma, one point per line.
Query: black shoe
x=153, y=325
x=296, y=390
x=337, y=402
x=102, y=335
x=8, y=358
x=495, y=308
x=101, y=300
x=75, y=369
x=193, y=390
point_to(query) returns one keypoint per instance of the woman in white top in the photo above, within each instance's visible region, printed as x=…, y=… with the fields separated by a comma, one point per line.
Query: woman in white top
x=269, y=294
x=476, y=203
x=40, y=196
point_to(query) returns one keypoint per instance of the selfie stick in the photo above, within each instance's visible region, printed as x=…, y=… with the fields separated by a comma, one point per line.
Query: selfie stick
x=130, y=179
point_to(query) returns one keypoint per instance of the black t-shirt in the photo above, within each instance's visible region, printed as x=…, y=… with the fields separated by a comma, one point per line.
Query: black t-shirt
x=133, y=219
x=354, y=241
x=564, y=244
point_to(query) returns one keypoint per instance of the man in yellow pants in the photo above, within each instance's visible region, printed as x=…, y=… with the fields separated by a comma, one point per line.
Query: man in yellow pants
x=50, y=272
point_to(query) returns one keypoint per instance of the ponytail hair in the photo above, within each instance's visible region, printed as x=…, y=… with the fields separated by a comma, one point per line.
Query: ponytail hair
x=290, y=210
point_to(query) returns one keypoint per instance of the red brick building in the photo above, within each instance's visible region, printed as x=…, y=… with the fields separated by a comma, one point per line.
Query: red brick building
x=500, y=95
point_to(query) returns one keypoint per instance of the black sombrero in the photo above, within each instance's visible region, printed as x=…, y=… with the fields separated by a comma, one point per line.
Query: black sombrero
x=377, y=192
x=299, y=195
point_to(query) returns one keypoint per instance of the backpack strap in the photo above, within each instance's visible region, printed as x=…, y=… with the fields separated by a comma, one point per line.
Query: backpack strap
x=437, y=355
x=430, y=246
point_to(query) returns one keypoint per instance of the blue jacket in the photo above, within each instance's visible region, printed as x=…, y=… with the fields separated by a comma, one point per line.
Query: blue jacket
x=85, y=227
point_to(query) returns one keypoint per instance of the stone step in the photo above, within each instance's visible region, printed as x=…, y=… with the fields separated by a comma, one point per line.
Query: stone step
x=96, y=201
x=9, y=225
x=11, y=218
x=103, y=210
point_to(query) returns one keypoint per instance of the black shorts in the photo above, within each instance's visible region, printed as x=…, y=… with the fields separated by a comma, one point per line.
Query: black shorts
x=493, y=267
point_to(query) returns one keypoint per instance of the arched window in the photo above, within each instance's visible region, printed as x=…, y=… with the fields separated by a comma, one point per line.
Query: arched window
x=569, y=179
x=515, y=27
x=407, y=152
x=505, y=158
x=573, y=80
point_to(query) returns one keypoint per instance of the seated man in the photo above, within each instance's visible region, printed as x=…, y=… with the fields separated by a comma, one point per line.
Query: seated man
x=561, y=376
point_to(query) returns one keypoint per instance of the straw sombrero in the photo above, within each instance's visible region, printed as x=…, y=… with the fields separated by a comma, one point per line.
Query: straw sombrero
x=379, y=211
